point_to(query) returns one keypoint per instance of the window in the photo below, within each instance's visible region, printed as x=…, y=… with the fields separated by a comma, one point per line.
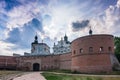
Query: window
x=90, y=49
x=81, y=50
x=101, y=49
x=74, y=52
x=109, y=49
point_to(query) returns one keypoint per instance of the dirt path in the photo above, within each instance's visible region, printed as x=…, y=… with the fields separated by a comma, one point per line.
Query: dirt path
x=30, y=76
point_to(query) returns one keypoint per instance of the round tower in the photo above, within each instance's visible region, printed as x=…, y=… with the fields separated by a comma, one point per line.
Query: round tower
x=91, y=54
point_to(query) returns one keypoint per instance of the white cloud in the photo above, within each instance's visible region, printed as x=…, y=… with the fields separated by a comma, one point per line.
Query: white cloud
x=20, y=15
x=108, y=21
x=61, y=15
x=118, y=4
x=6, y=49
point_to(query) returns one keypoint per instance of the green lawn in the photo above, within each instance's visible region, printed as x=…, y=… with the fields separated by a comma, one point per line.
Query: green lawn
x=69, y=71
x=51, y=76
x=59, y=71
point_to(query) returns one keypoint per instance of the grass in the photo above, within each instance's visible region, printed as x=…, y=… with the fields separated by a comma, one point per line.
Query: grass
x=59, y=71
x=7, y=72
x=52, y=76
x=69, y=71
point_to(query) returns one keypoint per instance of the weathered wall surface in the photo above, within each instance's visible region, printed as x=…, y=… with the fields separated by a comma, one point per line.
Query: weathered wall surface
x=45, y=62
x=92, y=63
x=61, y=61
x=7, y=62
x=50, y=62
x=65, y=61
x=92, y=53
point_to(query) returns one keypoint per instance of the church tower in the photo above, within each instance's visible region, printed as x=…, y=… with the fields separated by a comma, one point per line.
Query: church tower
x=36, y=40
x=65, y=38
x=39, y=48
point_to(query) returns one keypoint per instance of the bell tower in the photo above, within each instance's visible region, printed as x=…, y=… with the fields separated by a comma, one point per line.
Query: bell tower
x=65, y=38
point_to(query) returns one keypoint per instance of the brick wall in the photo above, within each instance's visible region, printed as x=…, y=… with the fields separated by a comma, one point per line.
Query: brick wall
x=65, y=61
x=8, y=62
x=96, y=60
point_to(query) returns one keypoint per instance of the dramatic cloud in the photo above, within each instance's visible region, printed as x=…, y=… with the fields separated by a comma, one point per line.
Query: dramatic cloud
x=14, y=36
x=76, y=26
x=20, y=20
x=108, y=21
x=10, y=4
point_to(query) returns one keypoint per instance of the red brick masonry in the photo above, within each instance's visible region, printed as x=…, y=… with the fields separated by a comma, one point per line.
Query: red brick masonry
x=90, y=54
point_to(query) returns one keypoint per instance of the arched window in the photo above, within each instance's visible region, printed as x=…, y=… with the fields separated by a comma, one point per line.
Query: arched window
x=81, y=50
x=101, y=49
x=90, y=49
x=109, y=49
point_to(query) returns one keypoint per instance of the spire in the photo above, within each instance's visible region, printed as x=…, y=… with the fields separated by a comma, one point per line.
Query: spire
x=65, y=38
x=36, y=39
x=54, y=43
x=90, y=31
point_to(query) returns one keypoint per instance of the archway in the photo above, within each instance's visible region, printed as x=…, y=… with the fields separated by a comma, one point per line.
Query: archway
x=36, y=67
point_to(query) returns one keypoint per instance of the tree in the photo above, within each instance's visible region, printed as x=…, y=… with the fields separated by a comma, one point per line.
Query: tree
x=117, y=47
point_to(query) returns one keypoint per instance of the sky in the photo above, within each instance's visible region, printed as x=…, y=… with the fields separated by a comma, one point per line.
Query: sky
x=21, y=20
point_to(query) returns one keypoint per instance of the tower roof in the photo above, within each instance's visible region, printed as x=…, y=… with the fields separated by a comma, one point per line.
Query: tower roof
x=36, y=39
x=90, y=31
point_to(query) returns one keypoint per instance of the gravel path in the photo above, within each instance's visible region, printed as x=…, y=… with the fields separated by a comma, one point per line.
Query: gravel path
x=30, y=76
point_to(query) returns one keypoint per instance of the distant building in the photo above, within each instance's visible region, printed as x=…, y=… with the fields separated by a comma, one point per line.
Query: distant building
x=63, y=46
x=39, y=48
x=16, y=55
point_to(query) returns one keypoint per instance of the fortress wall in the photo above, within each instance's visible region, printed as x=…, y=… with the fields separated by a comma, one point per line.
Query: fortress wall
x=65, y=61
x=46, y=62
x=92, y=63
x=90, y=54
x=87, y=55
x=50, y=62
x=8, y=62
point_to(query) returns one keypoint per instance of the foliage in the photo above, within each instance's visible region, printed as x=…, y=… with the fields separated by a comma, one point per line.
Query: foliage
x=117, y=47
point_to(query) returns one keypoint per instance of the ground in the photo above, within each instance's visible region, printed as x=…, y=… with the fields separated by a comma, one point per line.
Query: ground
x=31, y=76
x=58, y=75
